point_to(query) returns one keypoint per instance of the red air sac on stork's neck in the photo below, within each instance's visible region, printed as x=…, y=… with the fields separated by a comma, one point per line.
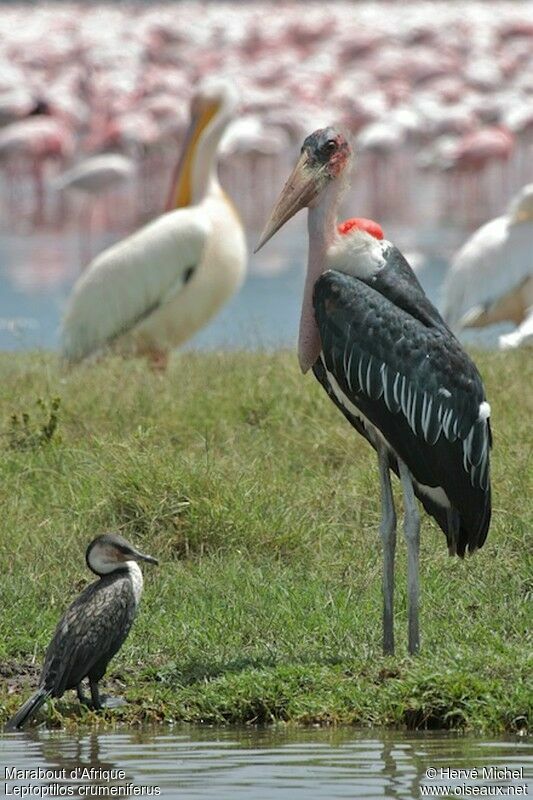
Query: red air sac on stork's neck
x=361, y=224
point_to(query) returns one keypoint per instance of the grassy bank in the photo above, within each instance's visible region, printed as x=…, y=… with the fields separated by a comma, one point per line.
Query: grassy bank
x=263, y=507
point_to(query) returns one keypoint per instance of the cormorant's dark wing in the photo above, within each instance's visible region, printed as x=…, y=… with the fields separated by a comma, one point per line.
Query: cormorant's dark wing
x=395, y=361
x=89, y=634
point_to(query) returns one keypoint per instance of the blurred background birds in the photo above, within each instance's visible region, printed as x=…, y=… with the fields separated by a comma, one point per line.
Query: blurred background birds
x=437, y=99
x=491, y=277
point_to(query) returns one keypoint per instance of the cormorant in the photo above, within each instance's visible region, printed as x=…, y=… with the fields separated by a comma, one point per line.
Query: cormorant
x=93, y=628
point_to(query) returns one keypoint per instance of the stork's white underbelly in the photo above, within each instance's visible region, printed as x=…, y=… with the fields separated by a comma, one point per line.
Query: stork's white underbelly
x=189, y=306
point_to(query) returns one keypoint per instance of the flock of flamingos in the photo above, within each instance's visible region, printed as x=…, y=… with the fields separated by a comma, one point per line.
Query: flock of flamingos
x=436, y=97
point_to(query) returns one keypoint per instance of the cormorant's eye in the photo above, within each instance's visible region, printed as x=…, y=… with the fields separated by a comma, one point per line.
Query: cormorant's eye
x=330, y=146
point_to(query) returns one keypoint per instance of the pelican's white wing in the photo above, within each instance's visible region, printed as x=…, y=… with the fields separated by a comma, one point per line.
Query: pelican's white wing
x=494, y=262
x=131, y=280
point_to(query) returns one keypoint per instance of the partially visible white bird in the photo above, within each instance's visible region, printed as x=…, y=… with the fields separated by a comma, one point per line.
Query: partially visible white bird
x=247, y=134
x=96, y=174
x=491, y=277
x=153, y=290
x=93, y=178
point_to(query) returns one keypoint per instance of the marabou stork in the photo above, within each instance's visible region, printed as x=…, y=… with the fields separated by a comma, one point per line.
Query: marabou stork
x=153, y=290
x=392, y=366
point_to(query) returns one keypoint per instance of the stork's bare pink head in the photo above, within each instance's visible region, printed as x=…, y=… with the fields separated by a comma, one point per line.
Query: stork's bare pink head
x=324, y=157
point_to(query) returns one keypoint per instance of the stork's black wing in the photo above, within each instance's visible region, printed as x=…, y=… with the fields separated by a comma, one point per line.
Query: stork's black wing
x=388, y=355
x=398, y=283
x=89, y=634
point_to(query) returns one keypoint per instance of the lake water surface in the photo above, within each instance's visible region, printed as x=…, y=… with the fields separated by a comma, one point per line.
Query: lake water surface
x=38, y=271
x=281, y=763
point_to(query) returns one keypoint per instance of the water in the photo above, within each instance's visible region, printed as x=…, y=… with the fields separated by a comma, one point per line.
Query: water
x=38, y=271
x=37, y=274
x=281, y=763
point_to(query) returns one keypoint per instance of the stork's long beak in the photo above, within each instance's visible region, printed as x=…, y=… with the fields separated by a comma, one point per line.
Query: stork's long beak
x=303, y=185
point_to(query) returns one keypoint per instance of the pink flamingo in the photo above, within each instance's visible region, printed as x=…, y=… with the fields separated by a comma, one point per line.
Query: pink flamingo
x=35, y=143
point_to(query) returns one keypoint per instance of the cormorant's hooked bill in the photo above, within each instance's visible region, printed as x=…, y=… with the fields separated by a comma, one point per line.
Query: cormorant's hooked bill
x=110, y=552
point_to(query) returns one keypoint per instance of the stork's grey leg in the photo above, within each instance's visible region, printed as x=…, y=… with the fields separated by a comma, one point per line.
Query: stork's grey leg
x=388, y=537
x=412, y=537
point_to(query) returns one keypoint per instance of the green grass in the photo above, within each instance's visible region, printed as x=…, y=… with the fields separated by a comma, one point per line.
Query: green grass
x=262, y=505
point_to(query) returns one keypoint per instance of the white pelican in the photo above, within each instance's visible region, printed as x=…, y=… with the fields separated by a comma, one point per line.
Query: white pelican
x=491, y=277
x=153, y=290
